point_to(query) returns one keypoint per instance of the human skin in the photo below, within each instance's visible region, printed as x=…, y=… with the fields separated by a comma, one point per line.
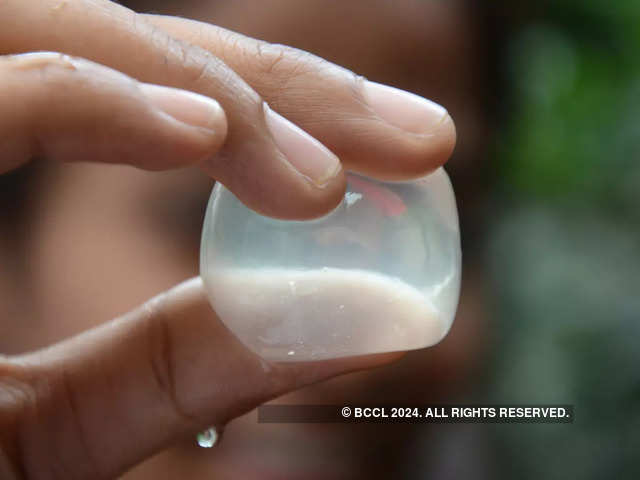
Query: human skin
x=169, y=367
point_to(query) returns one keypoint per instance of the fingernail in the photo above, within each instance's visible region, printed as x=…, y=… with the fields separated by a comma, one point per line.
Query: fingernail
x=402, y=109
x=187, y=107
x=306, y=154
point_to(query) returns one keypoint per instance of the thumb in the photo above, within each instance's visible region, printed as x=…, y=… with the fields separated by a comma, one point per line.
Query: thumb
x=95, y=405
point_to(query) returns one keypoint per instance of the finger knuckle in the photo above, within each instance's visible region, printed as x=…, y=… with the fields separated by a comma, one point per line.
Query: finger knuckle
x=285, y=73
x=16, y=386
x=17, y=398
x=31, y=401
x=194, y=63
x=283, y=61
x=160, y=348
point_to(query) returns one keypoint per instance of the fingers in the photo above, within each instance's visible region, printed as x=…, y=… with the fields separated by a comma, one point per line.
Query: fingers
x=70, y=109
x=374, y=129
x=103, y=401
x=271, y=165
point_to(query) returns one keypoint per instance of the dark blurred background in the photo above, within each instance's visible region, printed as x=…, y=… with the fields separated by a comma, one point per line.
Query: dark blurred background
x=546, y=99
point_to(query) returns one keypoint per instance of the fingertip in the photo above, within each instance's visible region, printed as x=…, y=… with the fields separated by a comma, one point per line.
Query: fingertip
x=198, y=122
x=187, y=107
x=403, y=155
x=405, y=110
x=446, y=137
x=420, y=133
x=72, y=109
x=432, y=150
x=319, y=201
x=310, y=158
x=271, y=186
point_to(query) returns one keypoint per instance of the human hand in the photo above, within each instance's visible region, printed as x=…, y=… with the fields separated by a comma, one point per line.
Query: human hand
x=102, y=401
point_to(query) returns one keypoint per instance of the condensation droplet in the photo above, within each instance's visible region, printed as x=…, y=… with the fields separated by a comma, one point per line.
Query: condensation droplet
x=291, y=352
x=207, y=438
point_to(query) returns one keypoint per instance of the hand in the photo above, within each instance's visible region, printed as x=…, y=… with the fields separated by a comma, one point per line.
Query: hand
x=159, y=93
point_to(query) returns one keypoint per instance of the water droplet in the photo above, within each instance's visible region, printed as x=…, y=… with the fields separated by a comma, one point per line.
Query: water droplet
x=341, y=307
x=291, y=352
x=207, y=438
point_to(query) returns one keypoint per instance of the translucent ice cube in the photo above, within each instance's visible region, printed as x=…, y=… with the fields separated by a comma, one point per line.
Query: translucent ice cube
x=379, y=273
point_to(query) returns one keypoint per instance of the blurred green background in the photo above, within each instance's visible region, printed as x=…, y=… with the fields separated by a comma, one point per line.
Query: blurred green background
x=563, y=243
